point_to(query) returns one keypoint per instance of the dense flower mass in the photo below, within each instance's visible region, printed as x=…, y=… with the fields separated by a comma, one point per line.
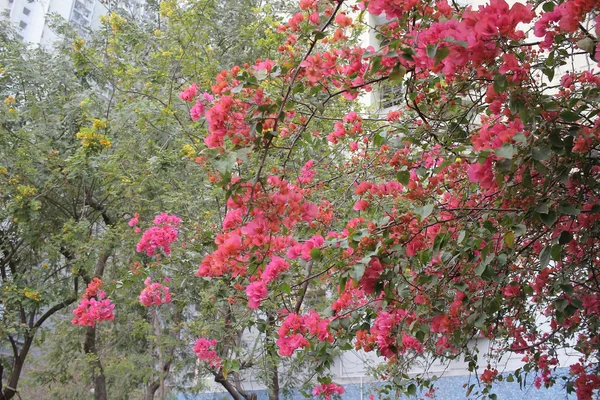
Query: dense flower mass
x=469, y=211
x=154, y=294
x=327, y=390
x=205, y=351
x=160, y=236
x=94, y=306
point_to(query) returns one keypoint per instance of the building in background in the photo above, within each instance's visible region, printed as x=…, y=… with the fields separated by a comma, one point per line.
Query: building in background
x=31, y=19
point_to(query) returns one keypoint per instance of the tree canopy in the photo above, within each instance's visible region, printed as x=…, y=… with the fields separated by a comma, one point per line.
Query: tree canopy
x=281, y=217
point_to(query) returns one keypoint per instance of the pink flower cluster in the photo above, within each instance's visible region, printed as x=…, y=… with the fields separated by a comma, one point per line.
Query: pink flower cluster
x=568, y=15
x=160, y=236
x=256, y=292
x=327, y=390
x=307, y=173
x=294, y=329
x=205, y=351
x=274, y=268
x=472, y=39
x=382, y=333
x=154, y=294
x=94, y=306
x=303, y=249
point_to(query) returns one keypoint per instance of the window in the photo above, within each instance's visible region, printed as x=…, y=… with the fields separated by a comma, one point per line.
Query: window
x=26, y=10
x=22, y=24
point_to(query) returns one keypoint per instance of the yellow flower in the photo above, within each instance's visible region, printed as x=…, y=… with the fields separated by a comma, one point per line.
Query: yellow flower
x=78, y=44
x=32, y=295
x=188, y=151
x=9, y=100
x=99, y=124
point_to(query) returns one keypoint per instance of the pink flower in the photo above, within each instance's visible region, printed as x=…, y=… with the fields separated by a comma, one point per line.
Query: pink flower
x=205, y=351
x=511, y=290
x=90, y=311
x=410, y=342
x=197, y=110
x=93, y=307
x=256, y=292
x=277, y=266
x=134, y=221
x=159, y=236
x=360, y=205
x=327, y=390
x=307, y=173
x=189, y=93
x=154, y=293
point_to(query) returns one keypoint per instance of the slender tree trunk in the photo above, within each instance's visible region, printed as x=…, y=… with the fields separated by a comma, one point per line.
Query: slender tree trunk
x=273, y=358
x=10, y=389
x=89, y=345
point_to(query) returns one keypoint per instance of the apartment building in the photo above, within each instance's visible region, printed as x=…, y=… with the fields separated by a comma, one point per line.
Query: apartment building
x=31, y=19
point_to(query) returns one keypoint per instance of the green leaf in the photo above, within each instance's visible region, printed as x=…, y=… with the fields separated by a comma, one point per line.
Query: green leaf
x=545, y=255
x=261, y=74
x=561, y=304
x=441, y=53
x=565, y=237
x=509, y=239
x=285, y=288
x=519, y=230
x=506, y=151
x=541, y=153
x=431, y=50
x=548, y=6
x=500, y=83
x=358, y=271
x=403, y=177
x=485, y=271
x=542, y=208
x=548, y=219
x=316, y=254
x=556, y=251
x=411, y=390
x=424, y=211
x=319, y=34
x=570, y=116
x=568, y=209
x=397, y=73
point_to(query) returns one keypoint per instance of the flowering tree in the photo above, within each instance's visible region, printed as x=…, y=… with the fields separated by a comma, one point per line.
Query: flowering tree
x=469, y=211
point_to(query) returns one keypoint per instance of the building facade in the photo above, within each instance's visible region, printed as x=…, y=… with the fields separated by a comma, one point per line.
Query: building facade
x=31, y=19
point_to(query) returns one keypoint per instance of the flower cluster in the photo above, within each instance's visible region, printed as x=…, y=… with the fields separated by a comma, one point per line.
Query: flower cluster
x=160, y=236
x=154, y=294
x=327, y=390
x=294, y=329
x=94, y=306
x=205, y=351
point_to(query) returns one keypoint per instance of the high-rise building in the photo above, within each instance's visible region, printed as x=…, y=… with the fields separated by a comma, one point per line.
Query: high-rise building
x=31, y=19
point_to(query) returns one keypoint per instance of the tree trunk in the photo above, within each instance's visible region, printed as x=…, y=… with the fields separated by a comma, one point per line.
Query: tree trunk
x=89, y=347
x=151, y=390
x=13, y=381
